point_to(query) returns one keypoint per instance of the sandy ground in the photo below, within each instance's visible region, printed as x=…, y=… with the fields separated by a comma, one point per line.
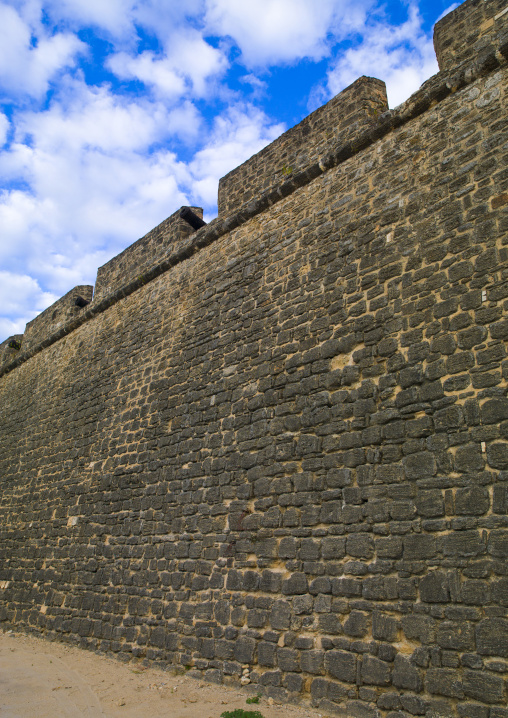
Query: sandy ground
x=39, y=679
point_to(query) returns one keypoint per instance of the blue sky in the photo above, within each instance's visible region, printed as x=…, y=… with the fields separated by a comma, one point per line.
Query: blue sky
x=114, y=113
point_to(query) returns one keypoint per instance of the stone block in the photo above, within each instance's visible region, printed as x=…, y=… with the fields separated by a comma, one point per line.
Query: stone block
x=341, y=665
x=384, y=628
x=244, y=649
x=472, y=501
x=296, y=584
x=375, y=672
x=288, y=659
x=356, y=624
x=280, y=615
x=444, y=682
x=492, y=637
x=484, y=687
x=312, y=661
x=406, y=676
x=434, y=588
x=421, y=465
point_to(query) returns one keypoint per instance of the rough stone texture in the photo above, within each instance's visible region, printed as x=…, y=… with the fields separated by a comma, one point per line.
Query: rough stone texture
x=469, y=30
x=141, y=256
x=341, y=120
x=286, y=447
x=10, y=348
x=56, y=316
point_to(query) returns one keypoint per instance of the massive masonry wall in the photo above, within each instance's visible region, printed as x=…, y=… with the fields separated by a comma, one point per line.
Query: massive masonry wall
x=284, y=448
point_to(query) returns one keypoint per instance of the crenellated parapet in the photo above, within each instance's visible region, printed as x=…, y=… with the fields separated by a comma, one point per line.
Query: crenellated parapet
x=56, y=316
x=139, y=257
x=470, y=30
x=341, y=120
x=10, y=348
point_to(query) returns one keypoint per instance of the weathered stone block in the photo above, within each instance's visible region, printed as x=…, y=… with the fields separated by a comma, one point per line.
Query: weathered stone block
x=341, y=665
x=419, y=546
x=375, y=672
x=295, y=584
x=497, y=455
x=244, y=649
x=420, y=465
x=472, y=501
x=481, y=686
x=405, y=676
x=458, y=636
x=312, y=661
x=356, y=624
x=384, y=628
x=434, y=588
x=280, y=615
x=444, y=682
x=360, y=545
x=288, y=659
x=492, y=637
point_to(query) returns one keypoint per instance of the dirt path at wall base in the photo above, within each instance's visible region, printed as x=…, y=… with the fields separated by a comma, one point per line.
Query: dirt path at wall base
x=39, y=679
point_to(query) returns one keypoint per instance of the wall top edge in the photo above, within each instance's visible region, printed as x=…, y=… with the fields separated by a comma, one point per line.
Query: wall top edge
x=356, y=85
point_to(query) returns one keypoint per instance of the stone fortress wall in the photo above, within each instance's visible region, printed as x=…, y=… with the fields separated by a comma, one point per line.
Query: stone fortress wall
x=276, y=445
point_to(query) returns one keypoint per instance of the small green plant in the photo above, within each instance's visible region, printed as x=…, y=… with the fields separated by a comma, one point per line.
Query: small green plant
x=287, y=170
x=240, y=713
x=254, y=699
x=14, y=344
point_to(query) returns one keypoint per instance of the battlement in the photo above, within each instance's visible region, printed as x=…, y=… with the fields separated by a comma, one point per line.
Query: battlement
x=10, y=348
x=56, y=315
x=139, y=257
x=341, y=120
x=470, y=30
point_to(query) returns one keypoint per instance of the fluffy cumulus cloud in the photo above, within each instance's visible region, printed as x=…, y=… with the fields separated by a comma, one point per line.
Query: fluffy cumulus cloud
x=273, y=31
x=403, y=56
x=185, y=68
x=28, y=62
x=113, y=114
x=113, y=16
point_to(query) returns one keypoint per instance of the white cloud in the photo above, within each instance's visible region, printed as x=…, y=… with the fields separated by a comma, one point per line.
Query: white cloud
x=151, y=71
x=93, y=117
x=120, y=20
x=4, y=129
x=275, y=31
x=27, y=68
x=8, y=327
x=114, y=16
x=403, y=56
x=21, y=296
x=187, y=66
